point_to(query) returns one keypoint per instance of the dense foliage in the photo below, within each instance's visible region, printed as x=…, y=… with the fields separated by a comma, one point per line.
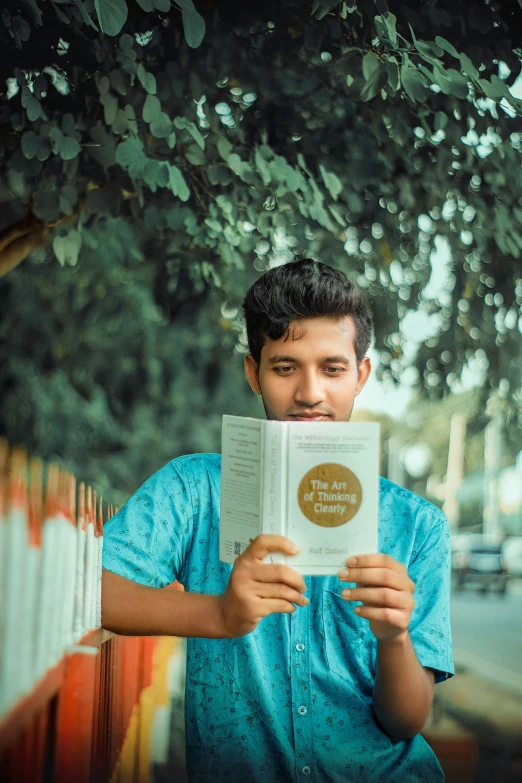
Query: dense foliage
x=239, y=135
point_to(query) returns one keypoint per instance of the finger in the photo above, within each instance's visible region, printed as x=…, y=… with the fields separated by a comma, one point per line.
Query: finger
x=393, y=617
x=381, y=577
x=380, y=596
x=376, y=560
x=278, y=573
x=282, y=591
x=265, y=543
x=278, y=605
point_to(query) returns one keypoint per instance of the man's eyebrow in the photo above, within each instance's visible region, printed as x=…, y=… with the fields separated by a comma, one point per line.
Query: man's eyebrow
x=338, y=359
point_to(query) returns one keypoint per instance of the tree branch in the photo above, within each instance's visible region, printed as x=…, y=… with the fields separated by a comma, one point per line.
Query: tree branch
x=19, y=240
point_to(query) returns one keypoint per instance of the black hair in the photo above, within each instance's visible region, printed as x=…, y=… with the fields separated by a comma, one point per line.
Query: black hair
x=304, y=289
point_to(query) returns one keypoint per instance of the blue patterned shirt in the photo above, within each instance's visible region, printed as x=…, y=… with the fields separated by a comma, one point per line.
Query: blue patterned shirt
x=291, y=701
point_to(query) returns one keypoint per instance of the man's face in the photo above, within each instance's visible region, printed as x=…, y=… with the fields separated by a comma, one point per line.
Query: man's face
x=312, y=375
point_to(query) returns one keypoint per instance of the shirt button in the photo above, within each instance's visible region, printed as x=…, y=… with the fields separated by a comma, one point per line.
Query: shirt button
x=305, y=770
x=302, y=710
x=299, y=647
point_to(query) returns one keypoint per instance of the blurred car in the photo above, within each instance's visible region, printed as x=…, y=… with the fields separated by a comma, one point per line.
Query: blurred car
x=481, y=566
x=512, y=553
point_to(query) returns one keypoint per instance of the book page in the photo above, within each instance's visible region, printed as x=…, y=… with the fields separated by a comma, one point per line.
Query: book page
x=332, y=493
x=241, y=469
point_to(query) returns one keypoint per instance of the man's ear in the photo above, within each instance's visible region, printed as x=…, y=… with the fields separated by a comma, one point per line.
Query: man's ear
x=363, y=372
x=252, y=373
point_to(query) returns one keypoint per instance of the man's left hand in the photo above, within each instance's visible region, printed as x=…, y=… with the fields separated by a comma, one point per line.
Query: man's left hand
x=386, y=592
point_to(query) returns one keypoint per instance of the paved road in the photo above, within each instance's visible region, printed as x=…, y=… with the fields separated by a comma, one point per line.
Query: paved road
x=487, y=634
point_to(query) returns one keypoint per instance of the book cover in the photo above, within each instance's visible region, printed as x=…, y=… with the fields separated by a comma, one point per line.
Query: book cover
x=316, y=483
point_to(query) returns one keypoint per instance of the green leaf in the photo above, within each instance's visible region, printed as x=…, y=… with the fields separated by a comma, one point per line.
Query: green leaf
x=67, y=247
x=392, y=72
x=441, y=120
x=183, y=124
x=370, y=64
x=459, y=83
x=69, y=148
x=131, y=118
x=31, y=105
x=151, y=172
x=178, y=184
x=391, y=24
x=35, y=146
x=151, y=108
x=413, y=83
x=193, y=23
x=45, y=205
x=110, y=107
x=105, y=146
x=493, y=90
x=332, y=182
x=219, y=174
x=56, y=138
x=161, y=5
x=145, y=5
x=428, y=51
x=21, y=28
x=214, y=224
x=195, y=155
x=446, y=46
x=82, y=7
x=386, y=27
x=130, y=156
x=112, y=15
x=147, y=80
x=372, y=70
x=224, y=148
x=120, y=81
x=231, y=236
x=68, y=199
x=120, y=124
x=126, y=41
x=102, y=83
x=467, y=66
x=176, y=217
x=161, y=126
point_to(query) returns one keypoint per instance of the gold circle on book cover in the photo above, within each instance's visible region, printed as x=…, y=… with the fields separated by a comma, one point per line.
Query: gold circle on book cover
x=329, y=495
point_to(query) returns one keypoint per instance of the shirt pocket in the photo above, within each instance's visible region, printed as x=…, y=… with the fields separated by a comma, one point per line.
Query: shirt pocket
x=349, y=643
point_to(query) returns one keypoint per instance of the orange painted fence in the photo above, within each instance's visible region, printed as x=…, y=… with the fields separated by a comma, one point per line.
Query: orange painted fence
x=76, y=702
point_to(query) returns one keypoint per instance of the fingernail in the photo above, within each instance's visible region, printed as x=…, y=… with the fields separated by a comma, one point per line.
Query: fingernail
x=296, y=548
x=346, y=593
x=351, y=561
x=307, y=600
x=343, y=573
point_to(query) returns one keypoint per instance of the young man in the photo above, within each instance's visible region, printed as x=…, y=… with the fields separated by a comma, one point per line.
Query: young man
x=283, y=686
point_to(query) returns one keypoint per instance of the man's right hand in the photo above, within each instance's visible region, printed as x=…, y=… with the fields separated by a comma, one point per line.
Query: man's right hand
x=256, y=589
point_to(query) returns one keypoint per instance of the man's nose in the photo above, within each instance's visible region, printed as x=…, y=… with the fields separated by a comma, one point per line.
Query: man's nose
x=310, y=389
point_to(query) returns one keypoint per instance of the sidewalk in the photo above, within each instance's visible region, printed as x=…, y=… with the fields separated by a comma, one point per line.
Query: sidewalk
x=470, y=711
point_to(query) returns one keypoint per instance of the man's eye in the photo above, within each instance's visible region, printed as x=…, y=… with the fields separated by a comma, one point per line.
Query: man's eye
x=338, y=370
x=278, y=369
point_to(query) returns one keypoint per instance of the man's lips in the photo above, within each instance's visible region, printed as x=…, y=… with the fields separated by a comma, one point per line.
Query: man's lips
x=309, y=416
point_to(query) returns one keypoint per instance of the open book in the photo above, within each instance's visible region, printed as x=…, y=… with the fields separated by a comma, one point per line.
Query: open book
x=315, y=482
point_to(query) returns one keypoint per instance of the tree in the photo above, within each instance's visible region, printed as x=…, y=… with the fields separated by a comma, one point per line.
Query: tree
x=359, y=132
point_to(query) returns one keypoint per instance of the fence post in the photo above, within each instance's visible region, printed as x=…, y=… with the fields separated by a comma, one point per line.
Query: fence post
x=74, y=720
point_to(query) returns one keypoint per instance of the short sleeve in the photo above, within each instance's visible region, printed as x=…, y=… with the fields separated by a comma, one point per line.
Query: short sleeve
x=430, y=627
x=147, y=540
